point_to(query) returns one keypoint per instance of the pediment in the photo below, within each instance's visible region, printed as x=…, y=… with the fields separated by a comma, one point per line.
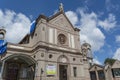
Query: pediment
x=62, y=21
x=96, y=67
x=116, y=64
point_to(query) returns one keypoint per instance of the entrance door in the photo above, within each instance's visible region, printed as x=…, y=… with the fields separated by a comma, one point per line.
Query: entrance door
x=18, y=70
x=12, y=71
x=63, y=72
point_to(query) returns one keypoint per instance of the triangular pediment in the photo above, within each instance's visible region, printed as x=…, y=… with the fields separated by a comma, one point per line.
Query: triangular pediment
x=116, y=64
x=61, y=21
x=96, y=67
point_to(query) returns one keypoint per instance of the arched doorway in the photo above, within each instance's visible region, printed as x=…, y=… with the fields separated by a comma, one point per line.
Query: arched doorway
x=63, y=64
x=19, y=67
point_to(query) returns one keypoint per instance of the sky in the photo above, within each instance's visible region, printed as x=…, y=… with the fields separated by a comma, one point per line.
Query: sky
x=98, y=20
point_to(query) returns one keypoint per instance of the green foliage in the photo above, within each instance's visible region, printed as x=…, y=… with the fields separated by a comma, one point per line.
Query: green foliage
x=109, y=61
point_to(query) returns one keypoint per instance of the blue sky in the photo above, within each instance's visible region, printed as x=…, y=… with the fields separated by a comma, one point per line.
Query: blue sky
x=98, y=20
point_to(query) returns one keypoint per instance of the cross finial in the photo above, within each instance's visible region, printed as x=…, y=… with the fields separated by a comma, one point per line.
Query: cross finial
x=61, y=7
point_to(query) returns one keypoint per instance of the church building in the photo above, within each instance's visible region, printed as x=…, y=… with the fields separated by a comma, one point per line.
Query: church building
x=51, y=51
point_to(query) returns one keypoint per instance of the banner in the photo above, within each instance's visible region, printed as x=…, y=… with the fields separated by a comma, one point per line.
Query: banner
x=51, y=69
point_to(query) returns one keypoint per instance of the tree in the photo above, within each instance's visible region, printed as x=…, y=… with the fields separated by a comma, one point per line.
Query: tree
x=109, y=61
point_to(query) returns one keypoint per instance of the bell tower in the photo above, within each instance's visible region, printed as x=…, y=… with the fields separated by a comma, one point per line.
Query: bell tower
x=87, y=53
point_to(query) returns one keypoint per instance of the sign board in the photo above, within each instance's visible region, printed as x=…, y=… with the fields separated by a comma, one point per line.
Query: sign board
x=51, y=69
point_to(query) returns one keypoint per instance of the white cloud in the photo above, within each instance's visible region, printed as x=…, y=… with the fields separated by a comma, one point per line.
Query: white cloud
x=96, y=61
x=89, y=24
x=118, y=38
x=89, y=30
x=108, y=23
x=17, y=25
x=117, y=54
x=72, y=16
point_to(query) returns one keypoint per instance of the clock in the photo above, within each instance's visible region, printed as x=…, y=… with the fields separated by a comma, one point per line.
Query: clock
x=64, y=60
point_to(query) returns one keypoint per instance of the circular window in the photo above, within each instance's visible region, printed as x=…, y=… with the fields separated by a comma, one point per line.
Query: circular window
x=50, y=56
x=35, y=34
x=34, y=56
x=61, y=38
x=74, y=59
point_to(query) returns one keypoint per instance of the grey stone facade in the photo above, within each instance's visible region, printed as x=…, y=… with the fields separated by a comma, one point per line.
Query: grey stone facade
x=51, y=52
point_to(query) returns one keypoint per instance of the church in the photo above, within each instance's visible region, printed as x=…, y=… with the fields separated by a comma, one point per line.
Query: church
x=51, y=51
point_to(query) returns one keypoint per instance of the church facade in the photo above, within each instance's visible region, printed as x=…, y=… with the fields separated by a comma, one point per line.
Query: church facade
x=52, y=51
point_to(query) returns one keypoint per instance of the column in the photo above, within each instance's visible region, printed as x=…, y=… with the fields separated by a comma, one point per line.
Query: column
x=2, y=68
x=96, y=73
